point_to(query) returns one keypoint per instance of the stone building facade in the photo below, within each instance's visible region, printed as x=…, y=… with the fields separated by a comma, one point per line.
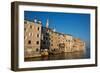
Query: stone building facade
x=78, y=45
x=32, y=38
x=38, y=38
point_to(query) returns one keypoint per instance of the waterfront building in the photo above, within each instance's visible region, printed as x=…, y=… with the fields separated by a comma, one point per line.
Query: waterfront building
x=54, y=42
x=68, y=40
x=45, y=37
x=78, y=45
x=39, y=39
x=32, y=38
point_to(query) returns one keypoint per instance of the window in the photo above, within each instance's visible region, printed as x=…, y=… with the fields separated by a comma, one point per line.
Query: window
x=29, y=42
x=25, y=22
x=43, y=42
x=25, y=37
x=48, y=43
x=24, y=29
x=46, y=38
x=31, y=26
x=47, y=34
x=30, y=34
x=37, y=35
x=51, y=40
x=37, y=50
x=51, y=44
x=38, y=28
x=37, y=42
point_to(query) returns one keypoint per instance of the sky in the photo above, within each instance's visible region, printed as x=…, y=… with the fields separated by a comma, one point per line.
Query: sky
x=75, y=24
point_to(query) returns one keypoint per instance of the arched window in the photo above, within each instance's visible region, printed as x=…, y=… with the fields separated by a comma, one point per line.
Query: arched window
x=38, y=28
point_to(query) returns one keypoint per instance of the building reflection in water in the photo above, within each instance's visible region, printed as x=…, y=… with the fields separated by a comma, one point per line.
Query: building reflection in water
x=62, y=56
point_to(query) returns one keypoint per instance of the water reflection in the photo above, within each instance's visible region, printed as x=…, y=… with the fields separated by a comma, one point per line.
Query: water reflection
x=62, y=56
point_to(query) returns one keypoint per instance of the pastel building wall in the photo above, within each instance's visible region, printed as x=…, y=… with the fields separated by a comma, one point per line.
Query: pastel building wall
x=32, y=35
x=78, y=45
x=38, y=38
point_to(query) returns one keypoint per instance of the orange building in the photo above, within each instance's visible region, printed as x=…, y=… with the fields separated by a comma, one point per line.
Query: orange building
x=32, y=38
x=78, y=45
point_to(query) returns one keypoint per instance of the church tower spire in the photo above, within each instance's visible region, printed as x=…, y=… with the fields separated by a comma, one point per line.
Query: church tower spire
x=47, y=23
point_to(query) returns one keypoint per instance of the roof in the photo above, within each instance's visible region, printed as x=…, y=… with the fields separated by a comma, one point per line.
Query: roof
x=33, y=21
x=49, y=28
x=56, y=31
